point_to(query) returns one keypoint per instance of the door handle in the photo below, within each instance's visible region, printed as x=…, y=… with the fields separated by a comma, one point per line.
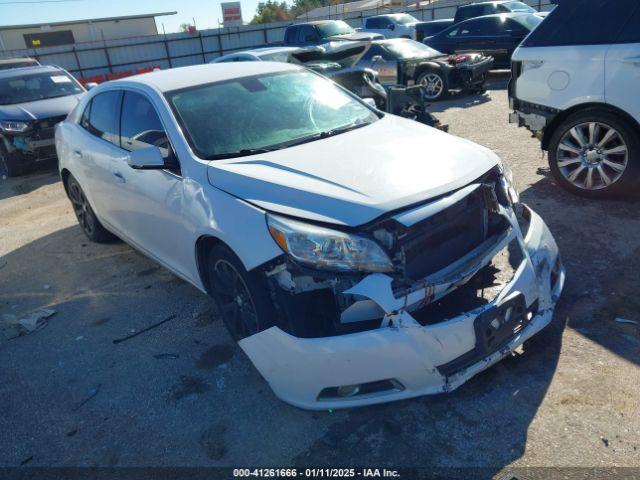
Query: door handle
x=119, y=176
x=77, y=153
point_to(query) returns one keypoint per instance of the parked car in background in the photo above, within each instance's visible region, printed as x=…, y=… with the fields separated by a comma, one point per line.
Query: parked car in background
x=267, y=54
x=32, y=101
x=323, y=31
x=18, y=62
x=332, y=237
x=494, y=35
x=400, y=61
x=575, y=85
x=391, y=25
x=428, y=29
x=474, y=10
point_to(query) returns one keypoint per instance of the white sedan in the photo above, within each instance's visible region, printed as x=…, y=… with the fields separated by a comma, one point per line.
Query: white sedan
x=357, y=257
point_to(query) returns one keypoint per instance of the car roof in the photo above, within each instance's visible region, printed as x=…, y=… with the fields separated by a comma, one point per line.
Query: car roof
x=16, y=59
x=16, y=72
x=184, y=77
x=315, y=22
x=500, y=15
x=266, y=50
x=494, y=2
x=397, y=14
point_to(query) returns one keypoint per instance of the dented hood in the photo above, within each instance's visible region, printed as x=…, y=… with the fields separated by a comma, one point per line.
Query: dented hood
x=355, y=177
x=40, y=109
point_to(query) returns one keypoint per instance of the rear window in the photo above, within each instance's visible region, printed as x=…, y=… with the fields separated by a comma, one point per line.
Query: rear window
x=578, y=22
x=518, y=7
x=530, y=22
x=337, y=27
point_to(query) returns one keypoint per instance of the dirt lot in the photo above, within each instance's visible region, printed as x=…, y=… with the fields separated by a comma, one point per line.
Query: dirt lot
x=570, y=400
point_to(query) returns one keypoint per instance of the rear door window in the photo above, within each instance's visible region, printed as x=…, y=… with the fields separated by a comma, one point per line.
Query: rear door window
x=101, y=117
x=486, y=27
x=374, y=23
x=306, y=33
x=577, y=22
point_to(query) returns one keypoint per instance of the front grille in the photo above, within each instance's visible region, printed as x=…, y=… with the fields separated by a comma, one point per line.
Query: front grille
x=45, y=129
x=441, y=239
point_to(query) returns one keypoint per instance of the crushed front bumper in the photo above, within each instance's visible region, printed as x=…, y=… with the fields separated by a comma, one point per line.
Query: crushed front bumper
x=403, y=359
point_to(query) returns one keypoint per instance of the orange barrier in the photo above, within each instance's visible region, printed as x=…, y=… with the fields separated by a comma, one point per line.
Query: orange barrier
x=115, y=75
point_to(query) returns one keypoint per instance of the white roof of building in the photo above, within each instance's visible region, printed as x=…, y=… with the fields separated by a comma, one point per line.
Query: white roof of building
x=183, y=77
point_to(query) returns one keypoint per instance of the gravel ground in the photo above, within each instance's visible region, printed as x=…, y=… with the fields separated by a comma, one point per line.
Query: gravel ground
x=570, y=400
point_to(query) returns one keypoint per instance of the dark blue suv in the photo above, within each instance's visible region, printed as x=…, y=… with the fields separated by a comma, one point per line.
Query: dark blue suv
x=324, y=31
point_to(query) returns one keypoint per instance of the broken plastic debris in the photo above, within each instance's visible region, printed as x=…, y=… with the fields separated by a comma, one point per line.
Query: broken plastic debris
x=624, y=320
x=15, y=327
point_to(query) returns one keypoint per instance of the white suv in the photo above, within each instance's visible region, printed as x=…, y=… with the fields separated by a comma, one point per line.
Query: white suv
x=576, y=85
x=393, y=25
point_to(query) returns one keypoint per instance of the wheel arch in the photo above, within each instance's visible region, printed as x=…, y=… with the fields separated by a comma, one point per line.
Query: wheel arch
x=64, y=175
x=204, y=245
x=429, y=66
x=562, y=116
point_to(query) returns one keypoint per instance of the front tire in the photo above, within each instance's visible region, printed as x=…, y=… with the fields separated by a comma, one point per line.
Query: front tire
x=242, y=297
x=434, y=85
x=87, y=219
x=595, y=154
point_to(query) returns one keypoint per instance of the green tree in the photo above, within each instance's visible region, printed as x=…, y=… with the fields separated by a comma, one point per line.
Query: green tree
x=271, y=11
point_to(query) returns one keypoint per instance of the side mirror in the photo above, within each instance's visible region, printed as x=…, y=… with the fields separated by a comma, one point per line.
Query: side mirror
x=377, y=58
x=370, y=101
x=90, y=85
x=148, y=158
x=392, y=27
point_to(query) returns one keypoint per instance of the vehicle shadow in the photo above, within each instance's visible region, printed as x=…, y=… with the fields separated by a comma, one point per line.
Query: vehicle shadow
x=600, y=244
x=43, y=175
x=497, y=80
x=106, y=292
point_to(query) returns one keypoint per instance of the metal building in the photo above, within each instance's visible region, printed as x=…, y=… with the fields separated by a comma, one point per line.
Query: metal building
x=15, y=37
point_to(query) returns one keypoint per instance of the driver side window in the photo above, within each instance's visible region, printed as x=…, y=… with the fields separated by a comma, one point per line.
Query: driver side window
x=141, y=127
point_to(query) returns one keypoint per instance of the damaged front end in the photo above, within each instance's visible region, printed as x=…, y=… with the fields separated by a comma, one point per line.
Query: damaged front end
x=25, y=143
x=472, y=275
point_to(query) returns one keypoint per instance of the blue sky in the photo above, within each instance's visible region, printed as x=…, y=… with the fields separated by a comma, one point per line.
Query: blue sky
x=207, y=13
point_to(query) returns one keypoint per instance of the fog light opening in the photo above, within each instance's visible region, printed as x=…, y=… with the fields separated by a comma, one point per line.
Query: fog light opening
x=348, y=390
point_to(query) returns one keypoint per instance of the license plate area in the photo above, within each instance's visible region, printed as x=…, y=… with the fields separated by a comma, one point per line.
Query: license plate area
x=495, y=327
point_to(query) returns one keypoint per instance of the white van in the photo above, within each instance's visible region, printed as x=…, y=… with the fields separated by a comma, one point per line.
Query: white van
x=576, y=85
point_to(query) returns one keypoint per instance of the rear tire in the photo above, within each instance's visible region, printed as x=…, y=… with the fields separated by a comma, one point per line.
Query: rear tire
x=595, y=154
x=87, y=219
x=434, y=85
x=242, y=297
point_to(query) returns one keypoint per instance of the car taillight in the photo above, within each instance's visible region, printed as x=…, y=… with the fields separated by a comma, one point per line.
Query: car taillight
x=462, y=58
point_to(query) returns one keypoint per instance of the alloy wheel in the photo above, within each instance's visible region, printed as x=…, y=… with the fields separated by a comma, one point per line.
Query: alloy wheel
x=592, y=156
x=234, y=299
x=433, y=85
x=81, y=208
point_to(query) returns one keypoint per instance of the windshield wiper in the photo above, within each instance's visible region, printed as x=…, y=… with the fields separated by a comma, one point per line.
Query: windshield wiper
x=245, y=152
x=316, y=136
x=327, y=134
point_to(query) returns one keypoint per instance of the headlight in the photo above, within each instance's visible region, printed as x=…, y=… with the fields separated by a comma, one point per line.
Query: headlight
x=510, y=184
x=10, y=126
x=324, y=248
